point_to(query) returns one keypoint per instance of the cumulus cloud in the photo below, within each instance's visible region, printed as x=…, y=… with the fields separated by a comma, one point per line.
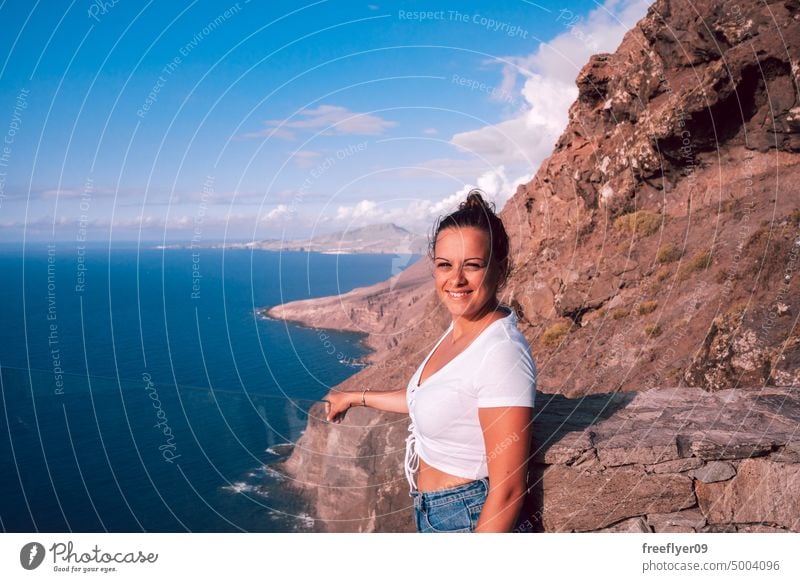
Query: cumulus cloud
x=495, y=183
x=331, y=119
x=549, y=84
x=418, y=215
x=280, y=213
x=365, y=211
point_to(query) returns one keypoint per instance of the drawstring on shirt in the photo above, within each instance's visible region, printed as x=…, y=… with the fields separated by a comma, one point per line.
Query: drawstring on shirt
x=412, y=458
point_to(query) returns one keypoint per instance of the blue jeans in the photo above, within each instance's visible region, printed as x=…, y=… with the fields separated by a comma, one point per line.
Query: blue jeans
x=455, y=509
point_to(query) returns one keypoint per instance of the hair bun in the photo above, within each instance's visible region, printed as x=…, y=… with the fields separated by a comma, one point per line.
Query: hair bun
x=475, y=201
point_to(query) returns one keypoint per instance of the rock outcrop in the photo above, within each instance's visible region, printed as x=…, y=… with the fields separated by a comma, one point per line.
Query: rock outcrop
x=669, y=460
x=656, y=254
x=389, y=312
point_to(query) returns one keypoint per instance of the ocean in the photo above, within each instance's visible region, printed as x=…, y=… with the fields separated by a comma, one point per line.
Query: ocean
x=142, y=390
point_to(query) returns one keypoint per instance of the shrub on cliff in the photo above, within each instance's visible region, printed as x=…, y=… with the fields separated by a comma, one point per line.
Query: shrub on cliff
x=647, y=307
x=553, y=335
x=668, y=253
x=641, y=222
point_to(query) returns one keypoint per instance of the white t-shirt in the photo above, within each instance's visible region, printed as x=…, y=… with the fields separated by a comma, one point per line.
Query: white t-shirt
x=496, y=369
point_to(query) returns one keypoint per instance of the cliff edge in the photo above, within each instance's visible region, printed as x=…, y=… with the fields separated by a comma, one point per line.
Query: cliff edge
x=656, y=255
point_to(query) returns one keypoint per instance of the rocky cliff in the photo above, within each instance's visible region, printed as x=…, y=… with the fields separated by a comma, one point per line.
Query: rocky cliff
x=656, y=255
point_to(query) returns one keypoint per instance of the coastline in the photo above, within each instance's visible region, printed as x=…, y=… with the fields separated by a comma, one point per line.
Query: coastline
x=361, y=337
x=379, y=313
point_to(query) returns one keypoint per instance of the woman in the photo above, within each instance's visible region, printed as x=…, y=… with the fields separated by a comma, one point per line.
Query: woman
x=471, y=400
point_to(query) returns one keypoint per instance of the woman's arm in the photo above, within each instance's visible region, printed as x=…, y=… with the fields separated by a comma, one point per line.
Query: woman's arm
x=507, y=435
x=390, y=401
x=340, y=402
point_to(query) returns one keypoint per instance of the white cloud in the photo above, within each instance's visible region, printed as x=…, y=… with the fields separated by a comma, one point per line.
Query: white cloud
x=419, y=214
x=516, y=146
x=549, y=85
x=305, y=158
x=494, y=183
x=40, y=224
x=600, y=31
x=332, y=119
x=89, y=190
x=365, y=211
x=211, y=196
x=280, y=213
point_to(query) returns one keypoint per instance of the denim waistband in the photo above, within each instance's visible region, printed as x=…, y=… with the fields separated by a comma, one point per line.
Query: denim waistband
x=442, y=496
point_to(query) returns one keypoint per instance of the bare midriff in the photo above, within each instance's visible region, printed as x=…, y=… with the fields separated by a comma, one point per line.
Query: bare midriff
x=432, y=479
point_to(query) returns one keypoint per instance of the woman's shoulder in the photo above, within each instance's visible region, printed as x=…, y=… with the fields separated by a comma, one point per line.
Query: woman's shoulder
x=502, y=313
x=508, y=327
x=505, y=357
x=506, y=337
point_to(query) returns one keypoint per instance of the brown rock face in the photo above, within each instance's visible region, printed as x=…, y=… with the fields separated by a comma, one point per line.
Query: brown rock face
x=763, y=492
x=690, y=520
x=668, y=202
x=616, y=495
x=575, y=489
x=665, y=230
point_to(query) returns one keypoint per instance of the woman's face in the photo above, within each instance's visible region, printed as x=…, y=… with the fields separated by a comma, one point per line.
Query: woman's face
x=465, y=280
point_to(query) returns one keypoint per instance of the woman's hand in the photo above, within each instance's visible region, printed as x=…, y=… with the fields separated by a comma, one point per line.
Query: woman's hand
x=337, y=403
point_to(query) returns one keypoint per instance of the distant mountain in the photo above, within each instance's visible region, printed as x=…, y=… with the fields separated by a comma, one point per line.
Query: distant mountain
x=384, y=238
x=375, y=238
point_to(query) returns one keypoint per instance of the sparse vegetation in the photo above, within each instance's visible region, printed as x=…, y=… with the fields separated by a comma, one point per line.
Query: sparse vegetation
x=662, y=274
x=673, y=374
x=700, y=261
x=652, y=330
x=620, y=312
x=729, y=205
x=641, y=222
x=794, y=217
x=668, y=253
x=647, y=307
x=737, y=310
x=553, y=335
x=758, y=239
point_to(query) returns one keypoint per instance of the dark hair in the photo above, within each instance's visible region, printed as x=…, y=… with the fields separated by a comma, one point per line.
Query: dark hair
x=478, y=213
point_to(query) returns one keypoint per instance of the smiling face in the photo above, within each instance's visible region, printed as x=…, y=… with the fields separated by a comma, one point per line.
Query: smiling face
x=465, y=279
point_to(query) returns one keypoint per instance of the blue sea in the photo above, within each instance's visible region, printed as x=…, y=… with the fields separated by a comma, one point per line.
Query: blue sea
x=141, y=390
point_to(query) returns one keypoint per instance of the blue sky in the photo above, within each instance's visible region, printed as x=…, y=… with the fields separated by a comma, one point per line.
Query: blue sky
x=248, y=120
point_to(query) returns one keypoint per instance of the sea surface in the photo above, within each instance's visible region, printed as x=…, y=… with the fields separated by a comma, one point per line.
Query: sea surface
x=141, y=389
